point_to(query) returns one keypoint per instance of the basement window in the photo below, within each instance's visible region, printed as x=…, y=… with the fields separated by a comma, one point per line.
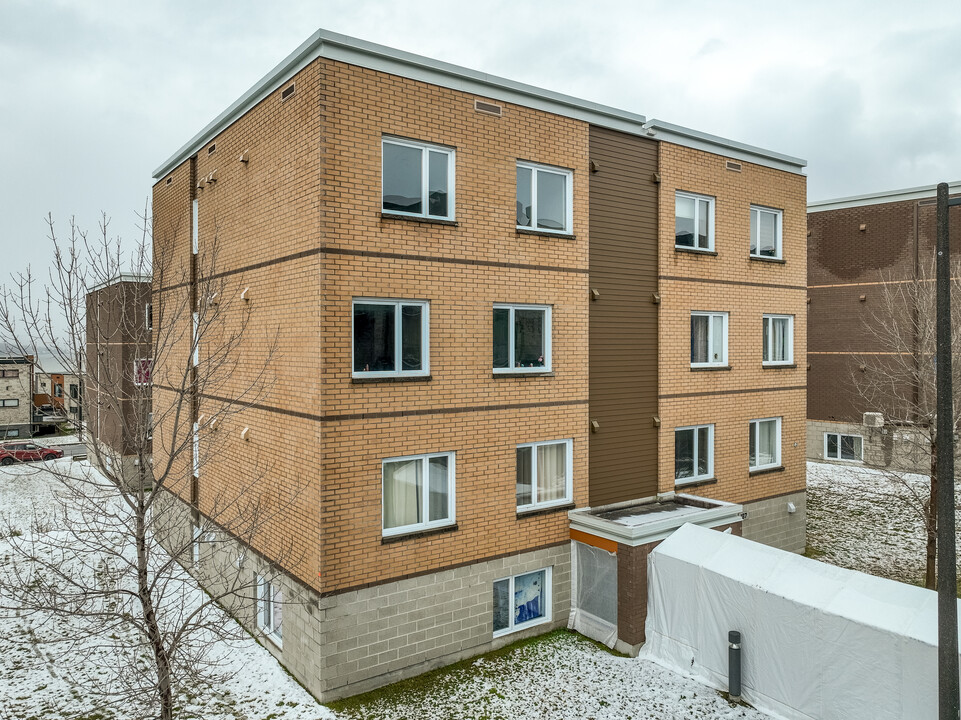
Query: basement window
x=843, y=447
x=522, y=601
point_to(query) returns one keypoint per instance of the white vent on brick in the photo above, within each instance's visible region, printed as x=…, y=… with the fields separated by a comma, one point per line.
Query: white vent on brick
x=594, y=593
x=873, y=419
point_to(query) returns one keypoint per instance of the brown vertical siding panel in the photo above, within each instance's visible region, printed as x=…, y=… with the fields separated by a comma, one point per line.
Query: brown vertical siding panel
x=623, y=320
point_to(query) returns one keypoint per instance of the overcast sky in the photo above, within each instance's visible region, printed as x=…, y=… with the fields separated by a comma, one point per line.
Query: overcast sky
x=95, y=95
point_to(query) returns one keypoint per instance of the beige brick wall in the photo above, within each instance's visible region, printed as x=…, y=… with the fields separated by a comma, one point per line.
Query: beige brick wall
x=746, y=289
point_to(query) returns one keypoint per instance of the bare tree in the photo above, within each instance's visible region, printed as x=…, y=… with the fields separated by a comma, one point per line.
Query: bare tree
x=899, y=382
x=121, y=614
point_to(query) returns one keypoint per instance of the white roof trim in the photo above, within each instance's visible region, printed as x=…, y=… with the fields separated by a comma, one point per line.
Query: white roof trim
x=889, y=196
x=121, y=278
x=334, y=46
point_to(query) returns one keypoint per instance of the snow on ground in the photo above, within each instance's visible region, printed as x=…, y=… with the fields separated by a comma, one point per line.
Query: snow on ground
x=860, y=518
x=566, y=678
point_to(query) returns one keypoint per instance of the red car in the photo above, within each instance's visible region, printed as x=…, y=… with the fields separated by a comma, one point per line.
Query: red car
x=26, y=451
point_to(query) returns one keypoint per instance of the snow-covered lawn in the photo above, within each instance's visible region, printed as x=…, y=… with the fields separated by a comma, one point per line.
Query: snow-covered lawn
x=44, y=673
x=859, y=518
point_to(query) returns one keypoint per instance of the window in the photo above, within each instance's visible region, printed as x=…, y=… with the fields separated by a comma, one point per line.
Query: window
x=195, y=358
x=10, y=402
x=765, y=443
x=195, y=229
x=418, y=493
x=58, y=390
x=390, y=338
x=544, y=474
x=9, y=373
x=196, y=450
x=765, y=232
x=708, y=339
x=544, y=198
x=843, y=447
x=778, y=339
x=270, y=603
x=693, y=221
x=74, y=391
x=522, y=338
x=150, y=426
x=693, y=453
x=148, y=316
x=195, y=537
x=522, y=601
x=13, y=432
x=418, y=179
x=141, y=371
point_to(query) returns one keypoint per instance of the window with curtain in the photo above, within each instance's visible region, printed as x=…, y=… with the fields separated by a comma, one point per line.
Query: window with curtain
x=765, y=443
x=838, y=446
x=418, y=493
x=765, y=232
x=544, y=474
x=522, y=601
x=708, y=339
x=693, y=221
x=777, y=339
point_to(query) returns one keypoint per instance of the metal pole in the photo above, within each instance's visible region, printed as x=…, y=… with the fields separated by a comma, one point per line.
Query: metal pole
x=947, y=571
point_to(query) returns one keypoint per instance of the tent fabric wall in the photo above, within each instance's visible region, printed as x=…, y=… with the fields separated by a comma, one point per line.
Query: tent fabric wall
x=594, y=601
x=817, y=641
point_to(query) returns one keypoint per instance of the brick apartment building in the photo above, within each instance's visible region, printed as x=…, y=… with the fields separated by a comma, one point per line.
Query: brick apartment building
x=507, y=319
x=116, y=392
x=16, y=395
x=857, y=248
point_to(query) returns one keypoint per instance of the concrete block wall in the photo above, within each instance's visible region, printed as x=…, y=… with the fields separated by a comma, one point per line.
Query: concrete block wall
x=769, y=521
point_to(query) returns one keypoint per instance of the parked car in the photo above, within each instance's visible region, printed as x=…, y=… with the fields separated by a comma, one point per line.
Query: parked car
x=12, y=452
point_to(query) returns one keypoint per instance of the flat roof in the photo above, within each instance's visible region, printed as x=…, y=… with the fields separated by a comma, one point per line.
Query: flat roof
x=354, y=51
x=879, y=198
x=121, y=278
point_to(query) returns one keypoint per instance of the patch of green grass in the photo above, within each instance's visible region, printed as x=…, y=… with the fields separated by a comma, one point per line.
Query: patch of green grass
x=814, y=553
x=435, y=681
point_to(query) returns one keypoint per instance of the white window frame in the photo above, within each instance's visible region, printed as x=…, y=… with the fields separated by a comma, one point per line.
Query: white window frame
x=548, y=602
x=10, y=402
x=770, y=340
x=713, y=317
x=137, y=371
x=196, y=533
x=425, y=495
x=568, y=481
x=195, y=229
x=196, y=450
x=839, y=435
x=568, y=176
x=424, y=147
x=269, y=594
x=398, y=338
x=756, y=211
x=195, y=356
x=754, y=427
x=710, y=220
x=547, y=366
x=710, y=453
x=13, y=432
x=148, y=316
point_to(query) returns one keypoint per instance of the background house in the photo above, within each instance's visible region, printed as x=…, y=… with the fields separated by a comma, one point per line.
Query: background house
x=507, y=319
x=858, y=248
x=16, y=396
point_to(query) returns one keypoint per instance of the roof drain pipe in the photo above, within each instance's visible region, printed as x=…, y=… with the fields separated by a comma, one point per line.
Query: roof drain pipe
x=734, y=666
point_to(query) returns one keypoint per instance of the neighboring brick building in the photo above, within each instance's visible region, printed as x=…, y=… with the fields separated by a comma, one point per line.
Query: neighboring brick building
x=118, y=365
x=499, y=310
x=858, y=246
x=16, y=397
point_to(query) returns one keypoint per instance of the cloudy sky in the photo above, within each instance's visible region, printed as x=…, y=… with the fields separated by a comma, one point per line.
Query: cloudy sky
x=94, y=95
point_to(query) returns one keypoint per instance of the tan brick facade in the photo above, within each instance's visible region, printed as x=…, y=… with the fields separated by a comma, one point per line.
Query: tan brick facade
x=731, y=281
x=291, y=232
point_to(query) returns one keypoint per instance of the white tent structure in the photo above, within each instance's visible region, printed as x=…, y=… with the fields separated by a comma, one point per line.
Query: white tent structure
x=817, y=641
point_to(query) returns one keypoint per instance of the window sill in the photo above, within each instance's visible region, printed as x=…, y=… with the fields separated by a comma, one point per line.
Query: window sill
x=519, y=628
x=702, y=368
x=387, y=540
x=765, y=471
x=694, y=251
x=277, y=642
x=545, y=233
x=778, y=366
x=776, y=261
x=417, y=218
x=399, y=378
x=695, y=483
x=532, y=373
x=544, y=510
